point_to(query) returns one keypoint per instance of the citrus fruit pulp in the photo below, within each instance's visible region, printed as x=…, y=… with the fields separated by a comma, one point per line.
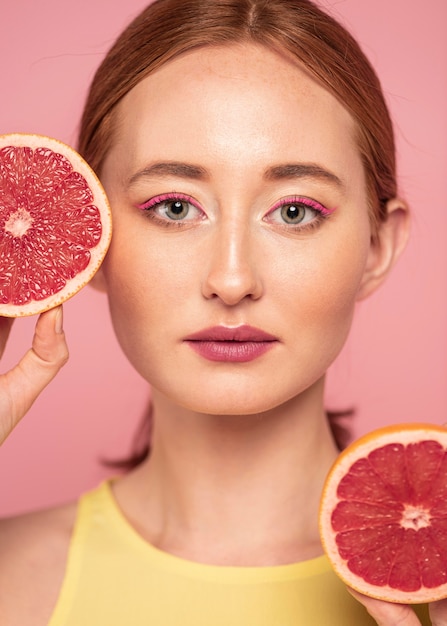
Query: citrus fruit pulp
x=383, y=514
x=55, y=223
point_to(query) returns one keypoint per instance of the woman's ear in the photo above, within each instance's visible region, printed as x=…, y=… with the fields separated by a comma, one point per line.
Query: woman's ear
x=386, y=247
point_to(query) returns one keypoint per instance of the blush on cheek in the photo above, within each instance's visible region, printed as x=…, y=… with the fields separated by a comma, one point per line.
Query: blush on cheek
x=337, y=298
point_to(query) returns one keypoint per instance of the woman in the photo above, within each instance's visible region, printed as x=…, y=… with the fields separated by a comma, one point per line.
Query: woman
x=249, y=159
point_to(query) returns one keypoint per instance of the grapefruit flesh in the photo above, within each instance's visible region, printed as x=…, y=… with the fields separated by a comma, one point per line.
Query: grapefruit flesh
x=383, y=514
x=55, y=223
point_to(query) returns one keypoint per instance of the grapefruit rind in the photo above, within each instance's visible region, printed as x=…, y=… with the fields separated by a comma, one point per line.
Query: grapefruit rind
x=100, y=200
x=396, y=434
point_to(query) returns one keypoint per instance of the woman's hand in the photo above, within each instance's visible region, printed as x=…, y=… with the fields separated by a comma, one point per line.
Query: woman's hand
x=21, y=385
x=388, y=614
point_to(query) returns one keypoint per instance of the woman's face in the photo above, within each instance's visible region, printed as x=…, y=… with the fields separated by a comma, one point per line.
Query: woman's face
x=238, y=198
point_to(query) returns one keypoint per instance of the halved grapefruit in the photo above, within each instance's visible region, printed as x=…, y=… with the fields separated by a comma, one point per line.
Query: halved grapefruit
x=383, y=514
x=55, y=223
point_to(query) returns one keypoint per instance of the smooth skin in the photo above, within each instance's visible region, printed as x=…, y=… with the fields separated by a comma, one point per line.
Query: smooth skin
x=23, y=384
x=237, y=447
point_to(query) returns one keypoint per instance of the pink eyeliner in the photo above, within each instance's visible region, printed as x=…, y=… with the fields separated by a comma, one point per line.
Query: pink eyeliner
x=167, y=197
x=311, y=204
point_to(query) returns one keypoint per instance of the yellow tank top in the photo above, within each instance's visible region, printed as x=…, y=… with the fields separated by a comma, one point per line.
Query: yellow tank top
x=115, y=578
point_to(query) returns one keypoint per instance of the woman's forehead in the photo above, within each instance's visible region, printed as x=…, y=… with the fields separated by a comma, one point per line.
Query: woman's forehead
x=235, y=102
x=232, y=69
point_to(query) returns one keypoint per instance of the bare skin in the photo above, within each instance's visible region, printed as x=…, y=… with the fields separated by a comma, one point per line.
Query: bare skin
x=236, y=456
x=34, y=550
x=21, y=386
x=34, y=546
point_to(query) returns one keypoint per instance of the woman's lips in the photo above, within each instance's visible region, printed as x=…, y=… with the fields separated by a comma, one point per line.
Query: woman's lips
x=237, y=345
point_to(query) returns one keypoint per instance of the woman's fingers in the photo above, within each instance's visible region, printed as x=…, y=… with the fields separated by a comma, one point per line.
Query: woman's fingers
x=438, y=613
x=21, y=386
x=386, y=613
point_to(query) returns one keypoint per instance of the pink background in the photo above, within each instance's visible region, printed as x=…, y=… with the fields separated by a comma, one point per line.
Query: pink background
x=394, y=365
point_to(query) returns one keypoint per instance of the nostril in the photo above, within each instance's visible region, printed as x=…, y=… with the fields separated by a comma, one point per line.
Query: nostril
x=232, y=274
x=232, y=288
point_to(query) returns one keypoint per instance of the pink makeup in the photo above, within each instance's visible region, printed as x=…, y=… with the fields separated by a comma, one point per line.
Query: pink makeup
x=166, y=198
x=235, y=345
x=304, y=201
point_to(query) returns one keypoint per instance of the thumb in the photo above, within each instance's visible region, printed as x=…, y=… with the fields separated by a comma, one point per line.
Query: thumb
x=20, y=387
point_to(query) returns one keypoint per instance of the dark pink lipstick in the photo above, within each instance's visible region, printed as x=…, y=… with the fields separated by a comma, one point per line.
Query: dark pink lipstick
x=237, y=345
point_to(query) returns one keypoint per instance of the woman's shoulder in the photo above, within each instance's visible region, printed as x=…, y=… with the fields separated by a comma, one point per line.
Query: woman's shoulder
x=33, y=554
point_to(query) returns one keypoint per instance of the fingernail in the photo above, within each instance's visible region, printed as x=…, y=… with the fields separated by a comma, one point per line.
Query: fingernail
x=58, y=321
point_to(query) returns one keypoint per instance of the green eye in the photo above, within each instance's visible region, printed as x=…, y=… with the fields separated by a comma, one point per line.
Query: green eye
x=177, y=209
x=293, y=213
x=297, y=214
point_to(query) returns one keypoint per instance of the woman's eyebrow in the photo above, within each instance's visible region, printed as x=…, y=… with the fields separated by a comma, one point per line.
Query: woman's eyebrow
x=302, y=170
x=170, y=168
x=275, y=172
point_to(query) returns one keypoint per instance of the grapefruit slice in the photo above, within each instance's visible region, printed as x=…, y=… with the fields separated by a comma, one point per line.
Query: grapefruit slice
x=383, y=514
x=55, y=223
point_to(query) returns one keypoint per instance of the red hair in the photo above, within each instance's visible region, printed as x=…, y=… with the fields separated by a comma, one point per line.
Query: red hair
x=169, y=28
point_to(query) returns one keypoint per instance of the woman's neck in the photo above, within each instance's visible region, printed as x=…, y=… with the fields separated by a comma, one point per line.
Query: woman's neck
x=233, y=490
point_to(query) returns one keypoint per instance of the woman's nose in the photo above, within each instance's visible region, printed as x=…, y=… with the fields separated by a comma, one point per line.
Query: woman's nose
x=232, y=273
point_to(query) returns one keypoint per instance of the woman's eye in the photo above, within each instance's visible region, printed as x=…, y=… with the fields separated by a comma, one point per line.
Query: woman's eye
x=293, y=213
x=176, y=209
x=171, y=208
x=297, y=212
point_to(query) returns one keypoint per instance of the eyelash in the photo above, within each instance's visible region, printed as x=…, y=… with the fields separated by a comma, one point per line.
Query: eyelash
x=320, y=212
x=166, y=198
